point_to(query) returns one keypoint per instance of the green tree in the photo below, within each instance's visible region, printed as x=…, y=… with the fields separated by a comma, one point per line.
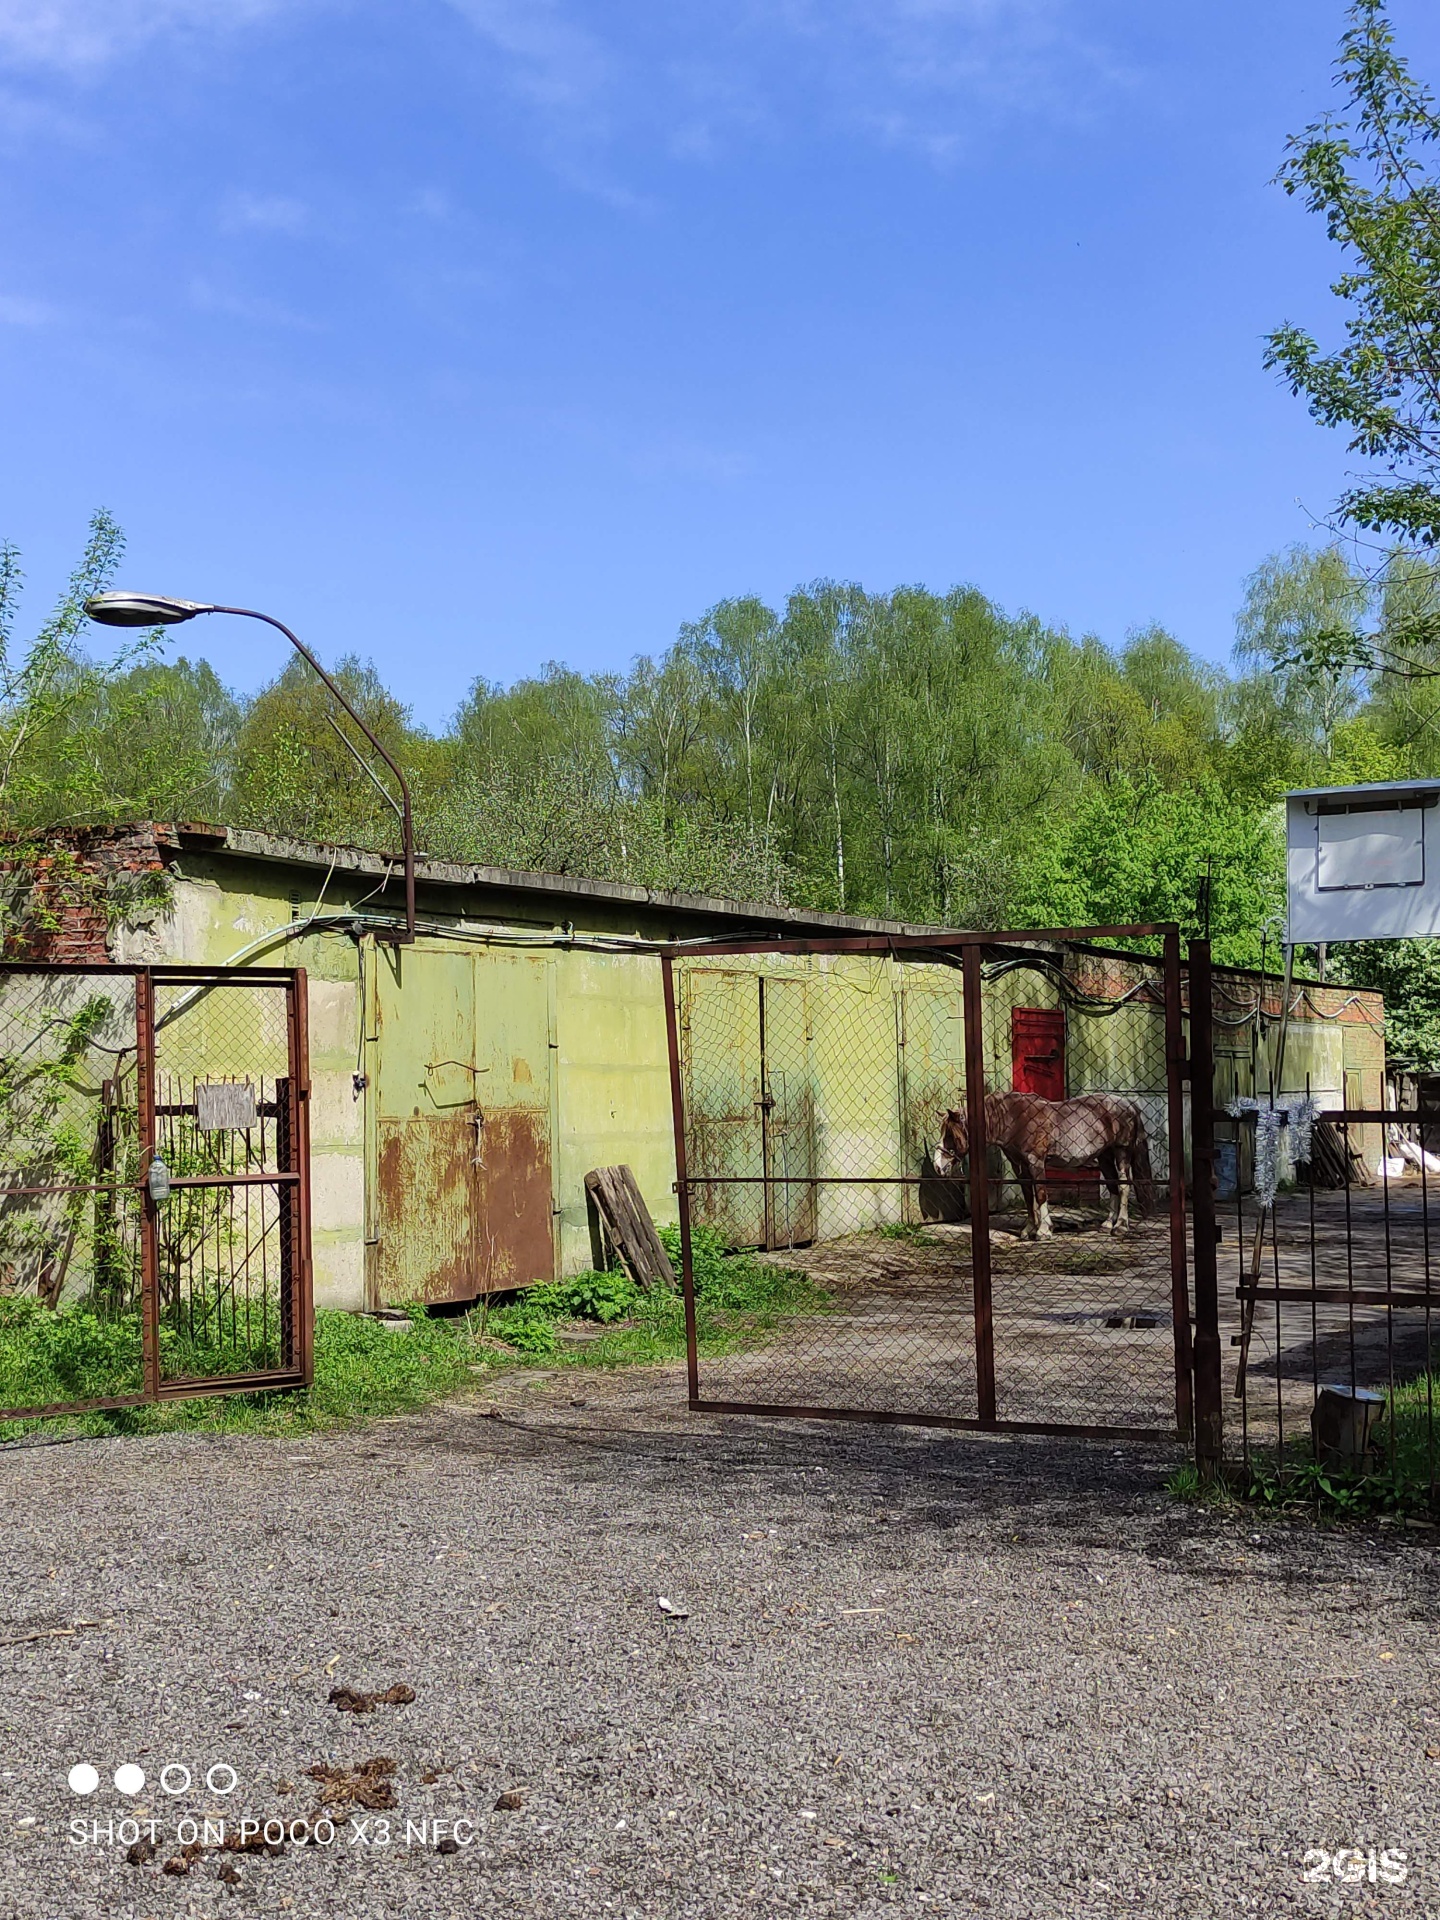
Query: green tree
x=1368, y=172
x=1302, y=611
x=300, y=764
x=49, y=692
x=1407, y=972
x=1135, y=853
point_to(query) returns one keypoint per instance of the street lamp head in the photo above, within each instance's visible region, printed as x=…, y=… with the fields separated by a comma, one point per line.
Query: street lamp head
x=142, y=609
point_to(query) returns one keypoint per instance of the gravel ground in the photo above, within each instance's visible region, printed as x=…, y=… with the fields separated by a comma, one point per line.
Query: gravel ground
x=919, y=1672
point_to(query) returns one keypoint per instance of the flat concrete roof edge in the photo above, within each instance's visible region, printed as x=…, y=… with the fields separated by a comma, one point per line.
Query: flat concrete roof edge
x=558, y=886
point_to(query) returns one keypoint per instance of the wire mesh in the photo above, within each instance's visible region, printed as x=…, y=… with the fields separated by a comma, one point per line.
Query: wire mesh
x=1080, y=1162
x=107, y=1297
x=69, y=1201
x=824, y=1102
x=1329, y=1322
x=224, y=1127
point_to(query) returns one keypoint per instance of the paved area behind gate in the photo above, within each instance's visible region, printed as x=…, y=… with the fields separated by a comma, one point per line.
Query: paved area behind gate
x=900, y=1671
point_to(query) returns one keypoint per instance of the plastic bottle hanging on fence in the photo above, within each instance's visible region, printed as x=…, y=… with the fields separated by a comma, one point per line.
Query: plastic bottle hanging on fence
x=158, y=1181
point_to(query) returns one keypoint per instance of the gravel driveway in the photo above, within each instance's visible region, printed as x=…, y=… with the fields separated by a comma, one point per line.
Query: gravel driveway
x=924, y=1673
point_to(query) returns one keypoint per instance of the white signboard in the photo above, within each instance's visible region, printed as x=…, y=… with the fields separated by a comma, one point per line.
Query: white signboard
x=1363, y=863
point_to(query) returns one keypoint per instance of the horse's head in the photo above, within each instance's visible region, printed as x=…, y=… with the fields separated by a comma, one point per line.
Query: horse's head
x=954, y=1143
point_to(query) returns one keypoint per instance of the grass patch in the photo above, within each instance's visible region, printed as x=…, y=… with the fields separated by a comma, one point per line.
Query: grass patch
x=739, y=1300
x=1399, y=1481
x=364, y=1371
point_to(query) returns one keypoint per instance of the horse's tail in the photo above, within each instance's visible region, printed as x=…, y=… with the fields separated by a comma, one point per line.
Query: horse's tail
x=1141, y=1171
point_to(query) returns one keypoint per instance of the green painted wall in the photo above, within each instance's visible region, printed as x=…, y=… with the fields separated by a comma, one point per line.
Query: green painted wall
x=878, y=1044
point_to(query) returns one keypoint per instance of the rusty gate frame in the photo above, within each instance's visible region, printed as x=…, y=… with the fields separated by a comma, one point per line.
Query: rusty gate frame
x=292, y=1183
x=1197, y=1396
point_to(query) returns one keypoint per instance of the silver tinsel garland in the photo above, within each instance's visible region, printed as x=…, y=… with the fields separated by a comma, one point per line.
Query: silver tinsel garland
x=1295, y=1114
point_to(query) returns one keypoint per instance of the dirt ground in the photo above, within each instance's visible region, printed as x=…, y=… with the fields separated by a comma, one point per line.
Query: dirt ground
x=897, y=1670
x=1384, y=1241
x=1082, y=1327
x=1083, y=1321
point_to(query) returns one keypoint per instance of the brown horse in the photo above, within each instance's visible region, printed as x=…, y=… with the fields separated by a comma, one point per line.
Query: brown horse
x=1093, y=1128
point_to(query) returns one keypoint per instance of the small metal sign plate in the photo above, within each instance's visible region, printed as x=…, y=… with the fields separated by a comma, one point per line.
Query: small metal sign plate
x=225, y=1106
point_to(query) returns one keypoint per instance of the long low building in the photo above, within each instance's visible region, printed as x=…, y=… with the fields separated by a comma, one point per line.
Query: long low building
x=464, y=1085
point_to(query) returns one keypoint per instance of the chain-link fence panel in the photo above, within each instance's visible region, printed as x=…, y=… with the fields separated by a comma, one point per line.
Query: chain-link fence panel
x=827, y=1100
x=154, y=1206
x=70, y=1256
x=810, y=1117
x=225, y=1130
x=1330, y=1296
x=1084, y=1253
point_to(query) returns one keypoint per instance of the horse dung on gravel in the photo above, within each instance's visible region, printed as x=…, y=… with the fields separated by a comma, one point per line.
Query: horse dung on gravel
x=1097, y=1129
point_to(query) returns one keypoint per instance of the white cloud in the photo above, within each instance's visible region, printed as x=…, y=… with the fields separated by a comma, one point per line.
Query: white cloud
x=925, y=73
x=81, y=34
x=265, y=213
x=556, y=63
x=207, y=297
x=683, y=459
x=701, y=76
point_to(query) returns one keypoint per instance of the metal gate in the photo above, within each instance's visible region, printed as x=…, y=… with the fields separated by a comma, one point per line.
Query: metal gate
x=812, y=1081
x=154, y=1185
x=1326, y=1344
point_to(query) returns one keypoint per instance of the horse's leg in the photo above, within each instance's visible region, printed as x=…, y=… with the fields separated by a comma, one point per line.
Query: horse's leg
x=1109, y=1173
x=1020, y=1167
x=1125, y=1179
x=1041, y=1209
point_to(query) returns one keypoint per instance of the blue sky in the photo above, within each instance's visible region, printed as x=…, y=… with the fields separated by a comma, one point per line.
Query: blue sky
x=467, y=334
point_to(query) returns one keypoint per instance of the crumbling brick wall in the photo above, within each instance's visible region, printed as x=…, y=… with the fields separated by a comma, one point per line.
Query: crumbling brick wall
x=61, y=915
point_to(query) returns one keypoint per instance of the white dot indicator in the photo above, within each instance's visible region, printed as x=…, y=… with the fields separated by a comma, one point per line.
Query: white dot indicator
x=83, y=1779
x=129, y=1778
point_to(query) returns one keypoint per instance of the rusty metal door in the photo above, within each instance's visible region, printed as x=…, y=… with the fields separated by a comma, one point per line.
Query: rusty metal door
x=514, y=1179
x=787, y=1113
x=426, y=1119
x=720, y=1039
x=154, y=1185
x=1037, y=1051
x=461, y=1085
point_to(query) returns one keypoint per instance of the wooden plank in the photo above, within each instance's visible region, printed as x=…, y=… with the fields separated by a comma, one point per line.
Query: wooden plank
x=658, y=1260
x=618, y=1200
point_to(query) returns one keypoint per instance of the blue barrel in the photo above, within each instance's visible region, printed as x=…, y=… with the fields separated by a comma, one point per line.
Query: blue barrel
x=1227, y=1168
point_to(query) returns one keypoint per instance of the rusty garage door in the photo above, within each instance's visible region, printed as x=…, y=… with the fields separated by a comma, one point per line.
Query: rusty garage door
x=460, y=1084
x=750, y=1083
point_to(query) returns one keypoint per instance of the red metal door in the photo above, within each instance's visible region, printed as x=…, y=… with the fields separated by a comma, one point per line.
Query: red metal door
x=1037, y=1065
x=1037, y=1051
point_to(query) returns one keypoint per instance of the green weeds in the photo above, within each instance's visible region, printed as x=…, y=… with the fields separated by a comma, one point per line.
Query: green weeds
x=363, y=1370
x=1399, y=1480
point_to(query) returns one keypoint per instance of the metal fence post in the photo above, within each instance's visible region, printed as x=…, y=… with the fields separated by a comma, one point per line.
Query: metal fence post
x=682, y=1177
x=1209, y=1403
x=1175, y=1067
x=147, y=1140
x=979, y=1188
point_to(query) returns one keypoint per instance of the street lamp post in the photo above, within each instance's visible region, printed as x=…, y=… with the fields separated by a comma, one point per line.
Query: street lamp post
x=157, y=610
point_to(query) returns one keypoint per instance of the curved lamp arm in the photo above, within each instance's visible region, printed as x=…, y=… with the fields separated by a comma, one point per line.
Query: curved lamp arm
x=133, y=610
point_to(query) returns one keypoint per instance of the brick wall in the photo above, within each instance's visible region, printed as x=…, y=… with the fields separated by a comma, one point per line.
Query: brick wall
x=63, y=920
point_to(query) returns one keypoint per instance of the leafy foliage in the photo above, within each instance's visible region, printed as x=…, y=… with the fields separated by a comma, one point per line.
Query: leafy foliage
x=1407, y=972
x=1367, y=173
x=913, y=754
